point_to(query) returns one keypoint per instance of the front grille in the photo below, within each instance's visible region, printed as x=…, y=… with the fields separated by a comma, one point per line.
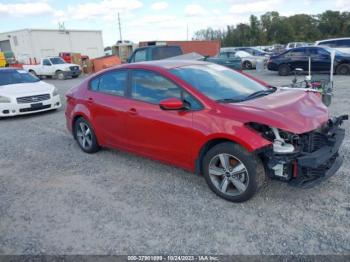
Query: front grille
x=74, y=68
x=33, y=99
x=314, y=141
x=34, y=109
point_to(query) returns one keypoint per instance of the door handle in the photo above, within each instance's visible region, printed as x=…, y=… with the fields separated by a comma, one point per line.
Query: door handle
x=90, y=100
x=132, y=111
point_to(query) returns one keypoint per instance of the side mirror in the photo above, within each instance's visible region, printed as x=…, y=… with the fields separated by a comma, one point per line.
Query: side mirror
x=171, y=104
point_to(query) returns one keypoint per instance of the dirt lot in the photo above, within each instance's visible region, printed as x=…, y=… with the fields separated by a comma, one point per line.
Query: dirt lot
x=55, y=199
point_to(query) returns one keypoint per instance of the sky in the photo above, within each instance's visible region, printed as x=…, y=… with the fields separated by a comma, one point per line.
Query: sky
x=143, y=20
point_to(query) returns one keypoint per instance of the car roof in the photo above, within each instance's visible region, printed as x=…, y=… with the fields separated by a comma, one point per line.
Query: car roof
x=333, y=39
x=168, y=63
x=157, y=46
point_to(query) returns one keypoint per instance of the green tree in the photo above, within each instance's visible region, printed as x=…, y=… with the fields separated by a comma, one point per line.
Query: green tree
x=273, y=28
x=255, y=30
x=304, y=27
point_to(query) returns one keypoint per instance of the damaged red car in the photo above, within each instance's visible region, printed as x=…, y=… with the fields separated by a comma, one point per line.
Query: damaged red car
x=210, y=120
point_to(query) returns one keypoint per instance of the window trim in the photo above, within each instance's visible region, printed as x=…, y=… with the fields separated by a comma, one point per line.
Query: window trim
x=139, y=50
x=106, y=93
x=129, y=93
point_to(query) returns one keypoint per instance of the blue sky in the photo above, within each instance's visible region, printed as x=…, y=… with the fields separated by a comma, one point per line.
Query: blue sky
x=149, y=19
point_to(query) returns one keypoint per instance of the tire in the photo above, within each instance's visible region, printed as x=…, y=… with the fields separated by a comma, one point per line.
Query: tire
x=60, y=75
x=284, y=70
x=244, y=177
x=32, y=72
x=87, y=141
x=247, y=65
x=343, y=69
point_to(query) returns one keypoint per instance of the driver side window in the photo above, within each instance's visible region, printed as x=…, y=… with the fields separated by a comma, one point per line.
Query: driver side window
x=140, y=55
x=152, y=88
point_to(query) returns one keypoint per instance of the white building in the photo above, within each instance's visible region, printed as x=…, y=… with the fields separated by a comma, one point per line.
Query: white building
x=39, y=43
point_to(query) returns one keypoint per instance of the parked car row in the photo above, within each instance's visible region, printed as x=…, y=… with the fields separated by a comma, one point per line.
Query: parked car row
x=240, y=58
x=320, y=58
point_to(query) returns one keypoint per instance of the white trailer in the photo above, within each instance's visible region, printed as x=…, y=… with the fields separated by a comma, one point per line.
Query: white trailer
x=40, y=43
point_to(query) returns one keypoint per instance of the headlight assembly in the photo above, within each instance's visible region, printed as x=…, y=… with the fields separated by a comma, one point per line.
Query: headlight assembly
x=282, y=140
x=4, y=99
x=55, y=93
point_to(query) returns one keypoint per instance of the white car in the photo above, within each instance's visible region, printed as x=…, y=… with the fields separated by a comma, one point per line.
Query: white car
x=22, y=93
x=340, y=44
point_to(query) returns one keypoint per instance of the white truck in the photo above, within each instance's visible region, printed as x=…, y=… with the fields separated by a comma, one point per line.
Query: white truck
x=54, y=66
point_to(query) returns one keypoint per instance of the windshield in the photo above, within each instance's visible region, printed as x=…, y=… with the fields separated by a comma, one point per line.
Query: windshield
x=9, y=77
x=218, y=82
x=57, y=61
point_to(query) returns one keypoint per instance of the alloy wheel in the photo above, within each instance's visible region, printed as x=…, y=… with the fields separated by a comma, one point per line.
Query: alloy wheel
x=228, y=174
x=84, y=135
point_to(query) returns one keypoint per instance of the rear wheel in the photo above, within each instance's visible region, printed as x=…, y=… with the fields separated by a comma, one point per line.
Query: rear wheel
x=247, y=65
x=343, y=69
x=60, y=75
x=85, y=136
x=232, y=173
x=284, y=70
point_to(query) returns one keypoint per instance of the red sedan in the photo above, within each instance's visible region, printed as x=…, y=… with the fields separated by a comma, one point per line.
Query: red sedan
x=209, y=120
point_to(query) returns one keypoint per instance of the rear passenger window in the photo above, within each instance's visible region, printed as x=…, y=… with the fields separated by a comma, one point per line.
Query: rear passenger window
x=331, y=43
x=113, y=82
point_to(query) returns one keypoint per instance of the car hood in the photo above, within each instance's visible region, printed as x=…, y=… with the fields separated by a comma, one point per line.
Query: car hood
x=68, y=64
x=292, y=110
x=24, y=89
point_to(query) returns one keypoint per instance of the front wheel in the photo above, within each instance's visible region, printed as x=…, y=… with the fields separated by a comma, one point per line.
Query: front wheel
x=60, y=75
x=85, y=136
x=232, y=173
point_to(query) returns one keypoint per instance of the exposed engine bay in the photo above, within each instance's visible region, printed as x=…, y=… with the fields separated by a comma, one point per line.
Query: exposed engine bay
x=304, y=158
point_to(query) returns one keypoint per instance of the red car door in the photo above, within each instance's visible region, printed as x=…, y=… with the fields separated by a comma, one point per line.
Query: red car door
x=108, y=106
x=161, y=134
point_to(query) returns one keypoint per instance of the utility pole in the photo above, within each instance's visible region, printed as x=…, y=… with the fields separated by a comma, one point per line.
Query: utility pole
x=187, y=32
x=120, y=29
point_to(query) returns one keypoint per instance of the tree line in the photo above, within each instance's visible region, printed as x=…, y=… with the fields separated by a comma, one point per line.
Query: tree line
x=272, y=28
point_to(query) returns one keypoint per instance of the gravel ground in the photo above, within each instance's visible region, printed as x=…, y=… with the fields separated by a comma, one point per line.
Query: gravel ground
x=55, y=199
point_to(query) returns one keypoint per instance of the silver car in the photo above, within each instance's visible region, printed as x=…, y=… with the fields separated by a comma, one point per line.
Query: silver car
x=248, y=61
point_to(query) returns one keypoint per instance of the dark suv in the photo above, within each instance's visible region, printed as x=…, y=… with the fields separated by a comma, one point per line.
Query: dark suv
x=286, y=62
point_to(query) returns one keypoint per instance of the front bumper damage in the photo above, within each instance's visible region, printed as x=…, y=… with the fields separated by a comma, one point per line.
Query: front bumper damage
x=315, y=159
